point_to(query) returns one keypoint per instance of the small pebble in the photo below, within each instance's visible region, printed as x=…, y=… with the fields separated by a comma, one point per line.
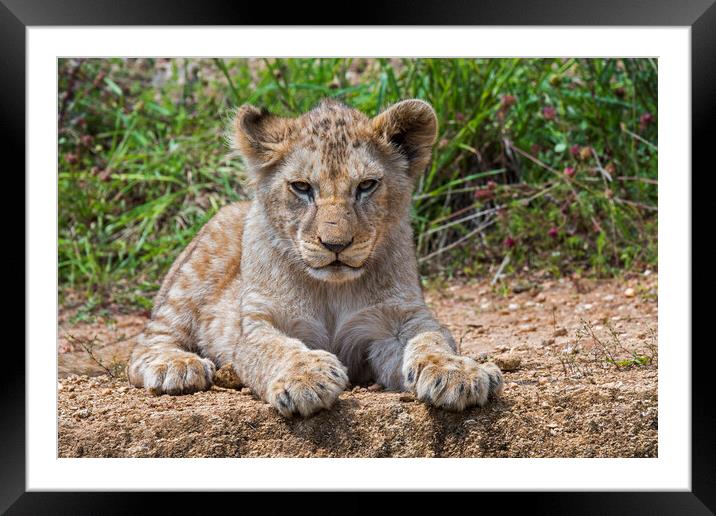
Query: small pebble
x=521, y=287
x=83, y=413
x=541, y=297
x=245, y=390
x=542, y=380
x=227, y=378
x=559, y=332
x=630, y=292
x=512, y=307
x=508, y=362
x=106, y=392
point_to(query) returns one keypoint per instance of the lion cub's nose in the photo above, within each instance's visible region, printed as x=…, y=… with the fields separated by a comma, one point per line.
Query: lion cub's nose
x=336, y=247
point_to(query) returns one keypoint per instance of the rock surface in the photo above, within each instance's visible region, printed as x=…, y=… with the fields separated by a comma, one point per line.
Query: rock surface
x=564, y=400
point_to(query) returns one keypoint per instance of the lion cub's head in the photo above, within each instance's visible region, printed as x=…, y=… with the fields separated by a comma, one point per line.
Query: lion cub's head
x=333, y=183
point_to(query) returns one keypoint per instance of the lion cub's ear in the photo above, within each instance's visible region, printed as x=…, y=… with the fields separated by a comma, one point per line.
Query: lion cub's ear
x=261, y=137
x=411, y=127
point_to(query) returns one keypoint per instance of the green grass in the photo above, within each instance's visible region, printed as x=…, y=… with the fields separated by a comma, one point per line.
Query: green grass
x=143, y=163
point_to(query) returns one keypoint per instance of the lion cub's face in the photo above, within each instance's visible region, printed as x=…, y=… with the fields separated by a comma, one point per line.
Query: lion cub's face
x=335, y=183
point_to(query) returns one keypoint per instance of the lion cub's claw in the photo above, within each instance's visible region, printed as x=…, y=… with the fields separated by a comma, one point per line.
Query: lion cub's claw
x=312, y=382
x=452, y=382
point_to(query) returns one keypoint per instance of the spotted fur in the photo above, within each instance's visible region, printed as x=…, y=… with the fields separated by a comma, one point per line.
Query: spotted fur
x=314, y=282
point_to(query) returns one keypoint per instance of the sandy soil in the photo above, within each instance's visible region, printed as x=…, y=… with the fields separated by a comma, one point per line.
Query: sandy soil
x=580, y=365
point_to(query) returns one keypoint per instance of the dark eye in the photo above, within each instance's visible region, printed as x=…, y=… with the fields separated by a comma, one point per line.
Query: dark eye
x=301, y=188
x=367, y=186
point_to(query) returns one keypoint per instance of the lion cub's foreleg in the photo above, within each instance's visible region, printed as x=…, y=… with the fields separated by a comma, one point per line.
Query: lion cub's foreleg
x=423, y=360
x=165, y=359
x=284, y=372
x=162, y=361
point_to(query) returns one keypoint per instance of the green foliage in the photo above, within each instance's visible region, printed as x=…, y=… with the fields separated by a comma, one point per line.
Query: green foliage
x=143, y=163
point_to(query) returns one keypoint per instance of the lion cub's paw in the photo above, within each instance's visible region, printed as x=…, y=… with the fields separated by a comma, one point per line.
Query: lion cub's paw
x=173, y=372
x=311, y=382
x=452, y=382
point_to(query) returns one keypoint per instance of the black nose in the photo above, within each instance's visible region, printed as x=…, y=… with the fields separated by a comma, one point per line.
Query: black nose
x=336, y=247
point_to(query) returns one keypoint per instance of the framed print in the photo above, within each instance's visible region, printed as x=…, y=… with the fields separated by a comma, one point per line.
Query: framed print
x=450, y=252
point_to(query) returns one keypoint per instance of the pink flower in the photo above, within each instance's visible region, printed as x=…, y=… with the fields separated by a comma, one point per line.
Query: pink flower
x=574, y=150
x=569, y=171
x=483, y=193
x=553, y=232
x=645, y=120
x=548, y=112
x=71, y=158
x=509, y=242
x=507, y=101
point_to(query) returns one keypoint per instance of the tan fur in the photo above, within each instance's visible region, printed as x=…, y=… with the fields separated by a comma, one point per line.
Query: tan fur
x=302, y=292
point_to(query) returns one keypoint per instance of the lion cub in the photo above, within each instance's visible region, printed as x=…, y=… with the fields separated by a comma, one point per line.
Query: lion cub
x=315, y=281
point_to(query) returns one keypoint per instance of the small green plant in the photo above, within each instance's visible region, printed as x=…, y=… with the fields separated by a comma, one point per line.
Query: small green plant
x=581, y=361
x=612, y=350
x=115, y=369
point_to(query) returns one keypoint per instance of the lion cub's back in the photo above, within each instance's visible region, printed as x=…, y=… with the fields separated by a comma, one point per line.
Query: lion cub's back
x=212, y=259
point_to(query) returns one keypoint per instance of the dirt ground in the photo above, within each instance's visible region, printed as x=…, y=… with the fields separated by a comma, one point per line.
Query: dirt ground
x=579, y=358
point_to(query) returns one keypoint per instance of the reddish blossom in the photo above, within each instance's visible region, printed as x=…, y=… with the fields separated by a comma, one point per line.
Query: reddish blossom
x=569, y=171
x=509, y=242
x=574, y=150
x=645, y=120
x=483, y=193
x=71, y=158
x=549, y=113
x=553, y=232
x=507, y=101
x=87, y=140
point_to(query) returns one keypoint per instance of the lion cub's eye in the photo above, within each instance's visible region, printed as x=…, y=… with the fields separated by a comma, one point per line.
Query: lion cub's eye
x=367, y=186
x=301, y=188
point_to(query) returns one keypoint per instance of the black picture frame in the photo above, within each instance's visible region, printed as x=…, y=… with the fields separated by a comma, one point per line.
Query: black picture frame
x=699, y=15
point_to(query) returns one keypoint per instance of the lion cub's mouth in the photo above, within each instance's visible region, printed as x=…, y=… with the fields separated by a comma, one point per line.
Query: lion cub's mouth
x=337, y=264
x=336, y=271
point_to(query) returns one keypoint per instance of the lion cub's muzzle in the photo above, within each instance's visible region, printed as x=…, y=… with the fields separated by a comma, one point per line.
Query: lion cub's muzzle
x=336, y=260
